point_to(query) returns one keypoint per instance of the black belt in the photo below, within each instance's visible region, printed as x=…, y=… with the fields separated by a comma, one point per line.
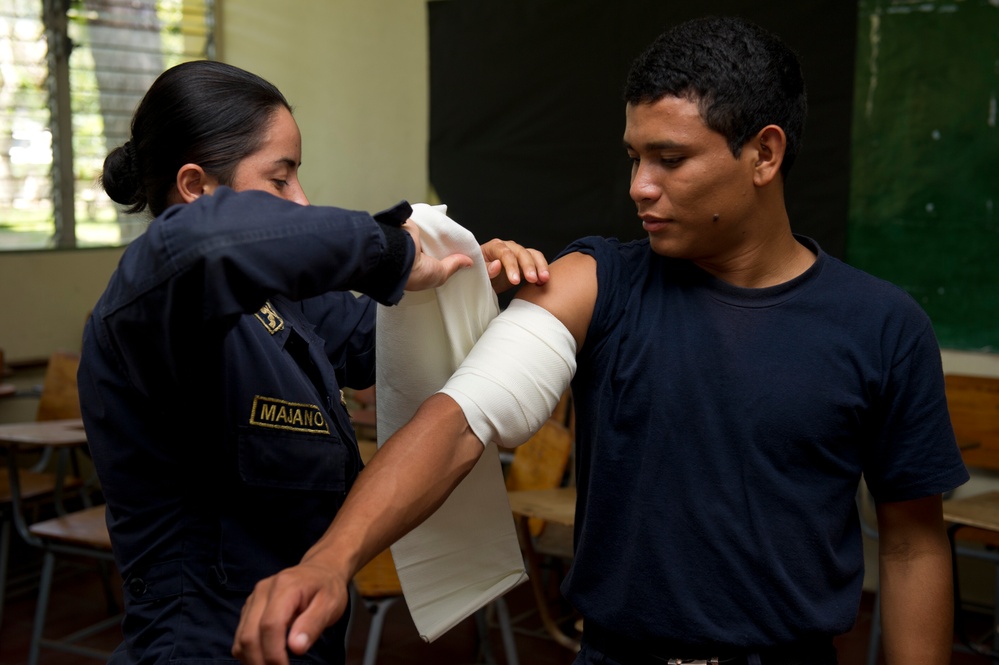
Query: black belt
x=626, y=651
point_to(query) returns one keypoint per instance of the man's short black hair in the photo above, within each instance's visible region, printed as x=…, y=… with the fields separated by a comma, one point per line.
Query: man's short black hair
x=742, y=77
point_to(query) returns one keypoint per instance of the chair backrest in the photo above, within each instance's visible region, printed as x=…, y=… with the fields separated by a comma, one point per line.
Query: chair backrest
x=540, y=463
x=60, y=398
x=378, y=578
x=973, y=402
x=564, y=412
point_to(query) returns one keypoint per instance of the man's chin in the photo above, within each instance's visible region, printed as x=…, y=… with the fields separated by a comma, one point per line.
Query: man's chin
x=667, y=247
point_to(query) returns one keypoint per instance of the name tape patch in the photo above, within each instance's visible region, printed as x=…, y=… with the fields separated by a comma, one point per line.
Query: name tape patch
x=281, y=414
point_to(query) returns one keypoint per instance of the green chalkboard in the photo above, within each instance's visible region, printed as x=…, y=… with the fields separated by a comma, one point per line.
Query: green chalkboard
x=925, y=160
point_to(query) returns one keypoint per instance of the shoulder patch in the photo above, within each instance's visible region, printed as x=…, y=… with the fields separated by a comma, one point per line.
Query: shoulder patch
x=281, y=414
x=270, y=318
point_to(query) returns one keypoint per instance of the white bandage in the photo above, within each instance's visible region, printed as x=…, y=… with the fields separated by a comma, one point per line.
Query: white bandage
x=512, y=379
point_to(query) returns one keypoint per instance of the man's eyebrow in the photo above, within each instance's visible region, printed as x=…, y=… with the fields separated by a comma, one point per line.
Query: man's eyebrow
x=656, y=145
x=287, y=161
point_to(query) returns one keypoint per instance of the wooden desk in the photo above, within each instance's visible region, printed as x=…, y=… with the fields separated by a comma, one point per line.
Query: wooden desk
x=61, y=434
x=81, y=533
x=980, y=510
x=42, y=433
x=552, y=505
x=978, y=516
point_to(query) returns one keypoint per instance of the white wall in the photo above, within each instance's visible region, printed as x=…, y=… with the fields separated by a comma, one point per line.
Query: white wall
x=356, y=72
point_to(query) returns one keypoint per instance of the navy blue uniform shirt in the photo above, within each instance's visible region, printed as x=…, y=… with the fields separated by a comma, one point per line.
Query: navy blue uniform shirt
x=210, y=385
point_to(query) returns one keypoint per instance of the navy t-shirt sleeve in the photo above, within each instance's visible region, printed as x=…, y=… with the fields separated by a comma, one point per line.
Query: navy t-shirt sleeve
x=914, y=453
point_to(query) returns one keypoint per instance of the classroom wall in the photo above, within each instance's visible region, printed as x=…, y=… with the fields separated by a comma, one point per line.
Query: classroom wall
x=356, y=71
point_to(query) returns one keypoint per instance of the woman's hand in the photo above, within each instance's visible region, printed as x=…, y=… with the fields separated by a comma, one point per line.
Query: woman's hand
x=428, y=272
x=507, y=263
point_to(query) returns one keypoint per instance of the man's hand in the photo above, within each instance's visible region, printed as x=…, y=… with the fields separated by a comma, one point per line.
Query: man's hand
x=428, y=272
x=288, y=611
x=507, y=263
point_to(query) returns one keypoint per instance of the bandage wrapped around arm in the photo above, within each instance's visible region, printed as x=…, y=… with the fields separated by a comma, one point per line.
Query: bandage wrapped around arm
x=512, y=379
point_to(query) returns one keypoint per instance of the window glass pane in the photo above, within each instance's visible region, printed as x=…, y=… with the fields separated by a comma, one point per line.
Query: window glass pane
x=26, y=214
x=118, y=49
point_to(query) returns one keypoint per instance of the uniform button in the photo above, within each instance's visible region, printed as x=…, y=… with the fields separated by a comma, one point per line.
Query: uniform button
x=137, y=586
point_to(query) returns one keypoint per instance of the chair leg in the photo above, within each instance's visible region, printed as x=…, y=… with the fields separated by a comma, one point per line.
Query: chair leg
x=378, y=609
x=506, y=630
x=482, y=628
x=44, y=588
x=874, y=641
x=995, y=613
x=355, y=604
x=4, y=561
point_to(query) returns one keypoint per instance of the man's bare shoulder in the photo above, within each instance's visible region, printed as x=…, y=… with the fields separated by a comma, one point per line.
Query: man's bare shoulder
x=569, y=294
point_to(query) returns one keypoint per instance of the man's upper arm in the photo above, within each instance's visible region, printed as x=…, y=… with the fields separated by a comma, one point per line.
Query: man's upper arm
x=570, y=294
x=910, y=528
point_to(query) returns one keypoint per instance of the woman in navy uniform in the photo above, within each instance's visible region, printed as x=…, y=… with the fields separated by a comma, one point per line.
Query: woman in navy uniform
x=212, y=365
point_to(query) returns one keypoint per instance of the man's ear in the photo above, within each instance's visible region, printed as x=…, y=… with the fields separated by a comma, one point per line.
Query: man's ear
x=770, y=144
x=192, y=182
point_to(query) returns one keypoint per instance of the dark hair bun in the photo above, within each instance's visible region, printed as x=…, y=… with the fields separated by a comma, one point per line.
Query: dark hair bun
x=121, y=178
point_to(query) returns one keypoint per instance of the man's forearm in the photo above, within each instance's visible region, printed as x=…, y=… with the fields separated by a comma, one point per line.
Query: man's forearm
x=406, y=481
x=917, y=607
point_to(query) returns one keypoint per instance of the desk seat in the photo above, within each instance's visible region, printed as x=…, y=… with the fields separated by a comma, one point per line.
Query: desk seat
x=33, y=485
x=80, y=533
x=86, y=528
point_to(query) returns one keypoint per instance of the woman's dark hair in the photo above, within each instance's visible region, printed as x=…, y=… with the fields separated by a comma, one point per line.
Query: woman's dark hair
x=202, y=112
x=742, y=77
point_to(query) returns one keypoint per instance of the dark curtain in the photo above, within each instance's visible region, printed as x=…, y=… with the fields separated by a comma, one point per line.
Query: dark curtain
x=526, y=114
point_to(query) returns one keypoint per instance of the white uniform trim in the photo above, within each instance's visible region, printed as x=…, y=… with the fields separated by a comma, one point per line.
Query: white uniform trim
x=512, y=379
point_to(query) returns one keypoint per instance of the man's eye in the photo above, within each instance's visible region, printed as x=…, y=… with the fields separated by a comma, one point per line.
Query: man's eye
x=281, y=183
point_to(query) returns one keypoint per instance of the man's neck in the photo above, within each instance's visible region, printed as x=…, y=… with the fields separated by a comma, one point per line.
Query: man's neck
x=765, y=263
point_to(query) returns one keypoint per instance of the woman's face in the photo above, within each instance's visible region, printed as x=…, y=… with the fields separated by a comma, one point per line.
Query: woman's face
x=273, y=168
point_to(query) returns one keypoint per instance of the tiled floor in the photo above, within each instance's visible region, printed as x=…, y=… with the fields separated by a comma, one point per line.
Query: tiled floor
x=80, y=598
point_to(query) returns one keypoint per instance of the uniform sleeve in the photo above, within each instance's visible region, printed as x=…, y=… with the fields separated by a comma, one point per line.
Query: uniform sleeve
x=199, y=267
x=225, y=254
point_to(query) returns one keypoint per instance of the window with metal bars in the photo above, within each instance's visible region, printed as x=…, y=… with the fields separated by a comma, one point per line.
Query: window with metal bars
x=71, y=74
